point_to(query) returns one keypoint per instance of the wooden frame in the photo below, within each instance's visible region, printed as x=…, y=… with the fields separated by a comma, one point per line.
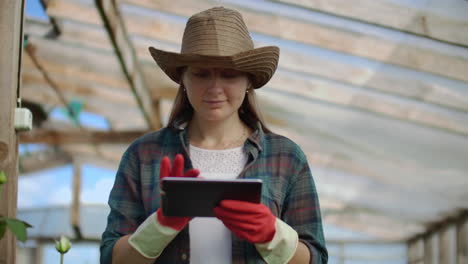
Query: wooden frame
x=11, y=22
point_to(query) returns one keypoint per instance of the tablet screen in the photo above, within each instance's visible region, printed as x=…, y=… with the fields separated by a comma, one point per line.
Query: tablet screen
x=197, y=197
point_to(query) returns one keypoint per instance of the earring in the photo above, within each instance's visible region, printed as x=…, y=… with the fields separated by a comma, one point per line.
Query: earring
x=247, y=91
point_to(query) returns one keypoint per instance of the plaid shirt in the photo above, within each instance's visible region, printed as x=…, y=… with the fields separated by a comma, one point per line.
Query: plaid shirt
x=288, y=190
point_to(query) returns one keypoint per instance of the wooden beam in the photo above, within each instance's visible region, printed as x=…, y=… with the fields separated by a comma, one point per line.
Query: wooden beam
x=374, y=175
x=11, y=30
x=80, y=87
x=101, y=161
x=36, y=26
x=344, y=190
x=85, y=150
x=76, y=77
x=387, y=79
x=349, y=96
x=443, y=225
x=381, y=141
x=116, y=106
x=59, y=92
x=374, y=218
x=394, y=48
x=382, y=227
x=332, y=171
x=71, y=61
x=41, y=160
x=108, y=153
x=75, y=137
x=119, y=118
x=335, y=211
x=118, y=109
x=349, y=162
x=344, y=95
x=437, y=20
x=95, y=67
x=83, y=68
x=30, y=50
x=115, y=27
x=66, y=64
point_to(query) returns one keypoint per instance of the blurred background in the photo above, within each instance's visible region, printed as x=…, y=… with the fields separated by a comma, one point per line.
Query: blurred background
x=374, y=91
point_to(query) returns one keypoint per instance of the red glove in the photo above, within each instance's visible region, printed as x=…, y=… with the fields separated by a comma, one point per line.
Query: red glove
x=250, y=221
x=177, y=223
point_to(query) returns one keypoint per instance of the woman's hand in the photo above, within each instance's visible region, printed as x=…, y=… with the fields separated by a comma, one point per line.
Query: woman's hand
x=275, y=240
x=250, y=221
x=165, y=170
x=157, y=231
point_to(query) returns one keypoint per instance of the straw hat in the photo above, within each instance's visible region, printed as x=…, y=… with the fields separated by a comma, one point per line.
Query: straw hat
x=218, y=37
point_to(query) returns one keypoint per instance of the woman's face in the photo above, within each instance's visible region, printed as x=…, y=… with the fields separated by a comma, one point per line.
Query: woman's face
x=215, y=94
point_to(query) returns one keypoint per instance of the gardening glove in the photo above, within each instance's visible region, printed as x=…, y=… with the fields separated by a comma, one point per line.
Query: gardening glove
x=157, y=231
x=275, y=240
x=176, y=223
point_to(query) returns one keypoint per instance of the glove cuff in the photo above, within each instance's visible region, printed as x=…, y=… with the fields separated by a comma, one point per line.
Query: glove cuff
x=283, y=246
x=151, y=238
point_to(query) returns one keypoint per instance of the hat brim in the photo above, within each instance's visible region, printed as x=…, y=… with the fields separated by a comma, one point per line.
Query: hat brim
x=261, y=63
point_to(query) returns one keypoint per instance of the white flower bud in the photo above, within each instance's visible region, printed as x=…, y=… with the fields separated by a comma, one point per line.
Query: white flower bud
x=63, y=245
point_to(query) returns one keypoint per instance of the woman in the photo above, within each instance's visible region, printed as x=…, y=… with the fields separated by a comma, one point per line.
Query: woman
x=214, y=127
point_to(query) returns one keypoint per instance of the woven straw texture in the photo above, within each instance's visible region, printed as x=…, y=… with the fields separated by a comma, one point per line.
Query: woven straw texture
x=218, y=37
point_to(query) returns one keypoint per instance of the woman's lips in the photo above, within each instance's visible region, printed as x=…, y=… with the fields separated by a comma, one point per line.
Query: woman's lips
x=214, y=102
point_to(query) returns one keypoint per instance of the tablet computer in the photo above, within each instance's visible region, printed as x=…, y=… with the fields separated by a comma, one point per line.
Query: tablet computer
x=197, y=197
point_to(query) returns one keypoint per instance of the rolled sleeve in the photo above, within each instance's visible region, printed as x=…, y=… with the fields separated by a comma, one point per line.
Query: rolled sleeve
x=302, y=212
x=126, y=210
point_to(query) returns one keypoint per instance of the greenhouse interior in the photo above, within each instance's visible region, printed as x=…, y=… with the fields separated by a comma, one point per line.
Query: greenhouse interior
x=375, y=92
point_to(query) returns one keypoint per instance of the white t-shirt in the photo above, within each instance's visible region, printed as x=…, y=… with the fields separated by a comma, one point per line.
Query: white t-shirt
x=210, y=240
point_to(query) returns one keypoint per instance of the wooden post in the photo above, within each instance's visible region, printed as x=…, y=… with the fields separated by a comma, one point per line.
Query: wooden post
x=431, y=251
x=462, y=241
x=416, y=251
x=39, y=254
x=75, y=207
x=11, y=18
x=447, y=245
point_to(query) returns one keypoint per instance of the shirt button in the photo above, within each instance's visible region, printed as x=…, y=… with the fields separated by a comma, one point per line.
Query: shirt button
x=184, y=256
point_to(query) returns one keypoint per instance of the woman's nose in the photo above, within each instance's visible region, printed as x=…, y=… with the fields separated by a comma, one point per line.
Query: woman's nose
x=215, y=83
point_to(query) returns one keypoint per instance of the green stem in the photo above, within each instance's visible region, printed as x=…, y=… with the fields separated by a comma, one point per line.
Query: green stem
x=61, y=258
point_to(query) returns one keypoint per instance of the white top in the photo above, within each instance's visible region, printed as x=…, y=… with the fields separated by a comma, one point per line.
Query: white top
x=210, y=240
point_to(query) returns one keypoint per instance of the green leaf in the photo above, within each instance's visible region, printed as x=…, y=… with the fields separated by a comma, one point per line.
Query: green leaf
x=25, y=40
x=76, y=106
x=3, y=178
x=2, y=227
x=18, y=228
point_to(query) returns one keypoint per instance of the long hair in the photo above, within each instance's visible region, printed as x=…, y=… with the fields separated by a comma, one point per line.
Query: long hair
x=182, y=110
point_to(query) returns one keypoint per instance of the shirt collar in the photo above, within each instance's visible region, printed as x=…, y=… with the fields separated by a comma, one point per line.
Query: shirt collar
x=256, y=138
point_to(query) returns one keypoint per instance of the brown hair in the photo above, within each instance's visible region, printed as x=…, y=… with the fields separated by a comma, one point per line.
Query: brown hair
x=182, y=110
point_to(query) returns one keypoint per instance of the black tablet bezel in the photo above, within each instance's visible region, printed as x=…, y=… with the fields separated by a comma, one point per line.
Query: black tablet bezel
x=197, y=197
